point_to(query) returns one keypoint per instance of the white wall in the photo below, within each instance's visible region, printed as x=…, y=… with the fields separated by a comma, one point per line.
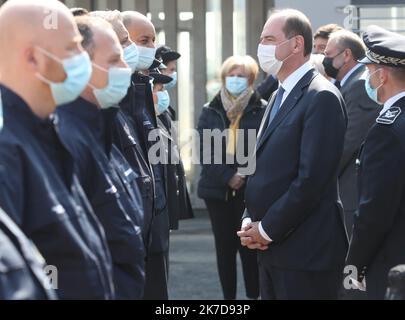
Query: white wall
x=320, y=12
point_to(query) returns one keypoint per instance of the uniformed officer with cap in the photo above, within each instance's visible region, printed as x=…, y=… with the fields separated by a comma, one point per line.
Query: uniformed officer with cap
x=378, y=239
x=178, y=199
x=169, y=59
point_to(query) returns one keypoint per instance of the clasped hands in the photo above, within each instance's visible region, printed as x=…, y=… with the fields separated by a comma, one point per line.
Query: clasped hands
x=250, y=237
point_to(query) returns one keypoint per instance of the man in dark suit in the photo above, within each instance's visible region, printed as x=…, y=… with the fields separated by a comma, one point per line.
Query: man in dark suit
x=292, y=198
x=378, y=239
x=342, y=52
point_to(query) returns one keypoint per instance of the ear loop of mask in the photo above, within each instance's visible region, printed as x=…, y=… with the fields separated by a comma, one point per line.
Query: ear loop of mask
x=99, y=68
x=53, y=57
x=280, y=44
x=369, y=77
x=337, y=55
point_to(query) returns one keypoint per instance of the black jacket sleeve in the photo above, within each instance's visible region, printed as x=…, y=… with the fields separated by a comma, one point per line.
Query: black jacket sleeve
x=381, y=184
x=361, y=114
x=11, y=183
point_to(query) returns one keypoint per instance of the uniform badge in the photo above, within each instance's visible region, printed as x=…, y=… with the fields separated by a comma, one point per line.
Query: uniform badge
x=389, y=116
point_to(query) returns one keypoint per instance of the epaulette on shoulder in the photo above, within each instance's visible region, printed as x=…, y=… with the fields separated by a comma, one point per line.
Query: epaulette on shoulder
x=389, y=116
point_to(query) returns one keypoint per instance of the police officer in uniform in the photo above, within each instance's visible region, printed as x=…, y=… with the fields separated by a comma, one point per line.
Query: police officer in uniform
x=41, y=69
x=84, y=125
x=139, y=119
x=378, y=238
x=164, y=151
x=177, y=193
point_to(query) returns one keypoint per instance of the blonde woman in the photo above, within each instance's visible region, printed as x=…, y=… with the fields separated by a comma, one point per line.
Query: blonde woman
x=236, y=106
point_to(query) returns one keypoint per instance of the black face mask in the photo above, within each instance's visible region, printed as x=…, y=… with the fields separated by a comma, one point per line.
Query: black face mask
x=330, y=70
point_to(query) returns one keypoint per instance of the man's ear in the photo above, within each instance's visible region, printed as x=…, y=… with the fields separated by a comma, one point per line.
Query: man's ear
x=31, y=58
x=348, y=55
x=384, y=74
x=299, y=44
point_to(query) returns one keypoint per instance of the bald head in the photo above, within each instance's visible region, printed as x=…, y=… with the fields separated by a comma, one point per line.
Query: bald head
x=27, y=29
x=35, y=22
x=141, y=30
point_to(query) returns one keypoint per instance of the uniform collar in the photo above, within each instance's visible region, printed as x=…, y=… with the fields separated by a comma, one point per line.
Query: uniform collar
x=19, y=118
x=99, y=122
x=14, y=107
x=86, y=111
x=391, y=101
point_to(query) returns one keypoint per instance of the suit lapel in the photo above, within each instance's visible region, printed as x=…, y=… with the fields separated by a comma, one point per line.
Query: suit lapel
x=288, y=105
x=265, y=119
x=353, y=77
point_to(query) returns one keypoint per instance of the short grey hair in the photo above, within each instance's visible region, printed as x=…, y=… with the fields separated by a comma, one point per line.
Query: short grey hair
x=346, y=39
x=86, y=24
x=112, y=16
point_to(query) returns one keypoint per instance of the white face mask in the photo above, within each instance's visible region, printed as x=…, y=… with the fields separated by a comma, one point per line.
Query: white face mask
x=146, y=58
x=267, y=58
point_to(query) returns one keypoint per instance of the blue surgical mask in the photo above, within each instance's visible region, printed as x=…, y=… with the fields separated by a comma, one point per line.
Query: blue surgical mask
x=236, y=85
x=131, y=56
x=119, y=80
x=78, y=73
x=372, y=92
x=146, y=58
x=163, y=101
x=172, y=83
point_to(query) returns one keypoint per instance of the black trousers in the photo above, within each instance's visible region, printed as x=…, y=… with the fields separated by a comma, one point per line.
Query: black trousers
x=156, y=274
x=226, y=221
x=282, y=284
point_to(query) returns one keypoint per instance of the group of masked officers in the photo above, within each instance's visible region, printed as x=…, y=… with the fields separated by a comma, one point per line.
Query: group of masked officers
x=84, y=98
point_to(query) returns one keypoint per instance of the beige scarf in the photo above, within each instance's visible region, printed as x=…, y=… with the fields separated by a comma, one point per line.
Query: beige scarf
x=234, y=108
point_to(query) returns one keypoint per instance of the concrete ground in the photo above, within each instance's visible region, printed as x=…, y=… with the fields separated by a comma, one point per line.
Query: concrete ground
x=193, y=271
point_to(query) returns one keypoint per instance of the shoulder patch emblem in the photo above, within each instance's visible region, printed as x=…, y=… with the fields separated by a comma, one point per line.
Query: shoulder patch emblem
x=389, y=116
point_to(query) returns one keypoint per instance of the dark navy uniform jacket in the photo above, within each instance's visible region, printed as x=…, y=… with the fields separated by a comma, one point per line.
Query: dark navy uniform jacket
x=136, y=121
x=178, y=200
x=40, y=192
x=127, y=142
x=22, y=274
x=378, y=239
x=83, y=128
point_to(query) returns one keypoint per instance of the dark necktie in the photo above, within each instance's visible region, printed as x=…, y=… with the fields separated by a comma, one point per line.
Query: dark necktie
x=337, y=84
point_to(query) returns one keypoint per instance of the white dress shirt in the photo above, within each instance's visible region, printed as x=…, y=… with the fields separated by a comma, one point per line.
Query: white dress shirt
x=288, y=85
x=391, y=101
x=292, y=80
x=352, y=70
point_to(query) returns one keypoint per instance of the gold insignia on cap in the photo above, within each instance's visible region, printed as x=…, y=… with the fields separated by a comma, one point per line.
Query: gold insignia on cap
x=377, y=58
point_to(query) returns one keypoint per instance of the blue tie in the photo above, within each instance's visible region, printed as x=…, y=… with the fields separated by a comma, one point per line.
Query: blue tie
x=277, y=104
